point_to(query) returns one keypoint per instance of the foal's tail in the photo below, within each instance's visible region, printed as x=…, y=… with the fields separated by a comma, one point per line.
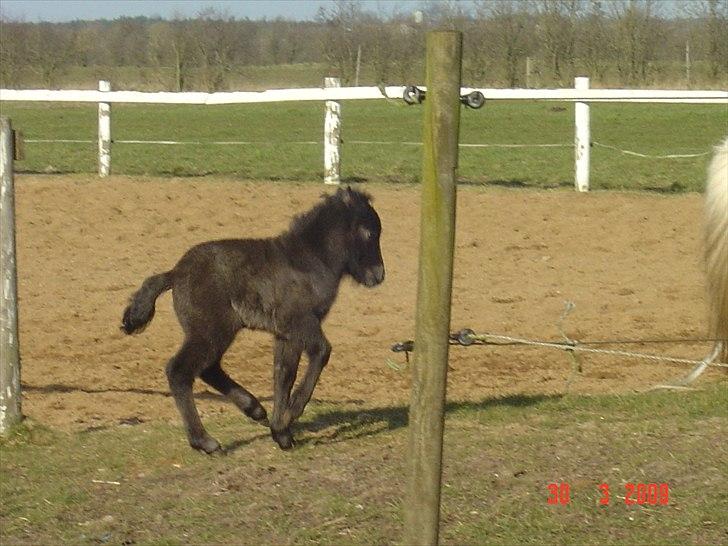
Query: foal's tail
x=140, y=310
x=716, y=244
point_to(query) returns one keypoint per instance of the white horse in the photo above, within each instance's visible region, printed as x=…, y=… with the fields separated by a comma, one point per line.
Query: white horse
x=716, y=258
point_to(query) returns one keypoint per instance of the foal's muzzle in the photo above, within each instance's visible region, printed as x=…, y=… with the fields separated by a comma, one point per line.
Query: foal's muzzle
x=374, y=276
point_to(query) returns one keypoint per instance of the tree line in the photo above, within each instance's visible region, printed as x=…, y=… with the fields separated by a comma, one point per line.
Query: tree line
x=513, y=43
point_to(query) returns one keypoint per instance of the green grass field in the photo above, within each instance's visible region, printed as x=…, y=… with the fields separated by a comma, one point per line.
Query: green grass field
x=344, y=483
x=278, y=130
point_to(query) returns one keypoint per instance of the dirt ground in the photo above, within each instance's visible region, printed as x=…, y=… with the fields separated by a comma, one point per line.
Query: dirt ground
x=629, y=261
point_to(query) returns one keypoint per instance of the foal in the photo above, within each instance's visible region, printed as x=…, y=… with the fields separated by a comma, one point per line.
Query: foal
x=284, y=285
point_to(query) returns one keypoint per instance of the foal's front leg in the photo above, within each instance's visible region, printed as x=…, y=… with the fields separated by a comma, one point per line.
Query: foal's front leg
x=318, y=350
x=286, y=407
x=285, y=369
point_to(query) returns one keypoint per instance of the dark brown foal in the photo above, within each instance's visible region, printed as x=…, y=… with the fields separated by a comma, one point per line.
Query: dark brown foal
x=284, y=285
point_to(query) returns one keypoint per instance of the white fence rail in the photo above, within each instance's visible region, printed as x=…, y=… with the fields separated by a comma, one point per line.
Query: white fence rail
x=359, y=93
x=581, y=95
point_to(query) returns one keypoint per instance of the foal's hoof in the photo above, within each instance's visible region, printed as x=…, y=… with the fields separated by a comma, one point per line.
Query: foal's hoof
x=209, y=445
x=283, y=438
x=259, y=415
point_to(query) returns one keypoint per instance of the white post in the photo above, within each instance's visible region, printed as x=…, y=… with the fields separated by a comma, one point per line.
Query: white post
x=9, y=346
x=332, y=137
x=104, y=132
x=528, y=72
x=582, y=138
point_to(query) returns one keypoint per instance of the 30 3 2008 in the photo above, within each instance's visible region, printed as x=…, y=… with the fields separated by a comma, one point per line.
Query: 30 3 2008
x=634, y=494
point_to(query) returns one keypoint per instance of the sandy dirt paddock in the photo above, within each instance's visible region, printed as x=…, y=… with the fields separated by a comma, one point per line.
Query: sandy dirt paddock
x=630, y=262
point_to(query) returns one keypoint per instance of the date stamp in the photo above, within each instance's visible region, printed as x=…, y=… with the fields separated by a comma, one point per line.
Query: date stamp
x=634, y=493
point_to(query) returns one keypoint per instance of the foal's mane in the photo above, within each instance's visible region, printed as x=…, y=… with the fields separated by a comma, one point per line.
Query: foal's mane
x=344, y=204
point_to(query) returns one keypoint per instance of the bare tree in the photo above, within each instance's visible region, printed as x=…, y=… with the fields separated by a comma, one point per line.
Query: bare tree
x=127, y=40
x=556, y=27
x=216, y=38
x=634, y=38
x=49, y=51
x=171, y=43
x=90, y=46
x=13, y=54
x=446, y=14
x=711, y=34
x=631, y=41
x=343, y=33
x=508, y=27
x=593, y=45
x=716, y=27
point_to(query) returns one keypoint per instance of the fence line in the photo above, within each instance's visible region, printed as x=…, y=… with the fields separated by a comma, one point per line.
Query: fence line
x=650, y=156
x=360, y=93
x=581, y=95
x=372, y=142
x=319, y=142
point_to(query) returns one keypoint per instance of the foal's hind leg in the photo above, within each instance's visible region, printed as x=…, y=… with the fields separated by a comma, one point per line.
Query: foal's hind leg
x=181, y=372
x=216, y=377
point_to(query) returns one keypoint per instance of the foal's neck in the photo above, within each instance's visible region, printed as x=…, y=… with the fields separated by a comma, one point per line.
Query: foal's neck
x=321, y=233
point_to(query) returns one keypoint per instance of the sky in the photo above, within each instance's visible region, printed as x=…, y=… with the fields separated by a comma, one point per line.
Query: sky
x=69, y=10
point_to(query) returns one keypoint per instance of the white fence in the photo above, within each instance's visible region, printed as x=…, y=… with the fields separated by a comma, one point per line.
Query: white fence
x=581, y=95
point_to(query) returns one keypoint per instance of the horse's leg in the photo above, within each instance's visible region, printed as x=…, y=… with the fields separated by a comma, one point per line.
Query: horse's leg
x=216, y=377
x=318, y=350
x=181, y=372
x=285, y=368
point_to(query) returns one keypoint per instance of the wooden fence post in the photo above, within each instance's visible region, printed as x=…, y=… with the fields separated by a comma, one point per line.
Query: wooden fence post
x=437, y=237
x=332, y=137
x=9, y=346
x=104, y=132
x=582, y=138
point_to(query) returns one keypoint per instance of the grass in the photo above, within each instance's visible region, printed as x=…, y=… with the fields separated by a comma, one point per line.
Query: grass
x=280, y=134
x=343, y=484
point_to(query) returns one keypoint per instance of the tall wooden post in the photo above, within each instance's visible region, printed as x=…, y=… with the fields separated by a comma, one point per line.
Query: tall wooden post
x=9, y=347
x=437, y=237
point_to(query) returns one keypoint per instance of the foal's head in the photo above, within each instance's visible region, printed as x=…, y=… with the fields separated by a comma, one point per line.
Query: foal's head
x=364, y=254
x=345, y=228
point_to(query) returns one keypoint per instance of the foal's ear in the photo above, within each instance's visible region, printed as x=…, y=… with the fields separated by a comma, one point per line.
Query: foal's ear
x=346, y=195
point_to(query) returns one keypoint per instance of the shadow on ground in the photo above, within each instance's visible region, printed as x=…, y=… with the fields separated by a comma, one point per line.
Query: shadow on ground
x=329, y=425
x=348, y=424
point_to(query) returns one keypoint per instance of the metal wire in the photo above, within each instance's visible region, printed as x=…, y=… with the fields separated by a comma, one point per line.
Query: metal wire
x=468, y=337
x=493, y=339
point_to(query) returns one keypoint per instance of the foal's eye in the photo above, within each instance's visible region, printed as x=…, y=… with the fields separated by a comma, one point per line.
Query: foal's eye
x=365, y=233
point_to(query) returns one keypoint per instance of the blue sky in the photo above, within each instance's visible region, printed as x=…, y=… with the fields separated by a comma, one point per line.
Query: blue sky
x=68, y=10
